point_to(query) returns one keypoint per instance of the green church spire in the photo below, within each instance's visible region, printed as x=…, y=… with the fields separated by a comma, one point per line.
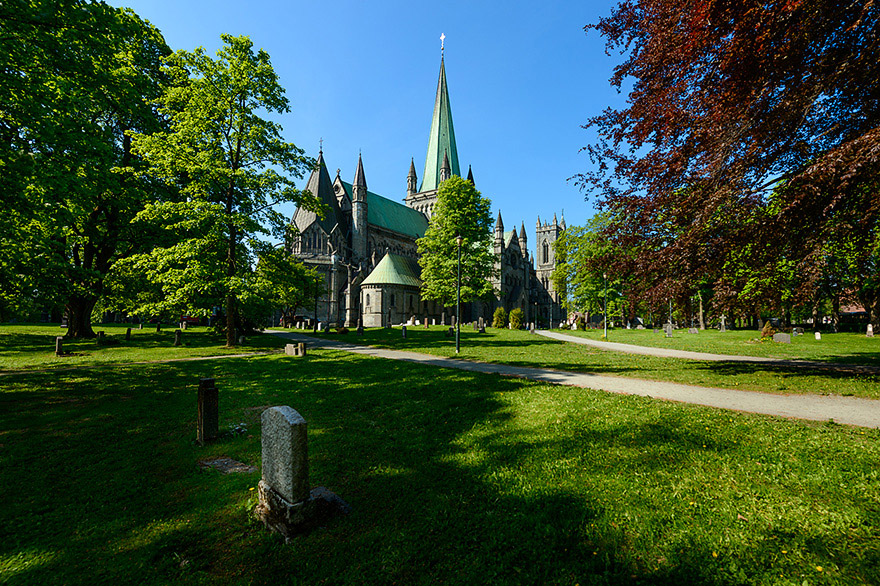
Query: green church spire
x=442, y=140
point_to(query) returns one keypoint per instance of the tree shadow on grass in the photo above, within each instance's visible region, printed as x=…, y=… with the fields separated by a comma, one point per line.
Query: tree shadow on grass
x=450, y=483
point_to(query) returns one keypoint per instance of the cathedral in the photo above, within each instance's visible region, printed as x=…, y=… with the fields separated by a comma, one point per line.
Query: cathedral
x=365, y=245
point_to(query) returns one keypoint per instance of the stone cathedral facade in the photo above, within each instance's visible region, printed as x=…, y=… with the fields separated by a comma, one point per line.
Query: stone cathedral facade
x=365, y=244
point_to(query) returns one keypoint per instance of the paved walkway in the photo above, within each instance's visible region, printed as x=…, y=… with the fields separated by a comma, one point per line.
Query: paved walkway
x=670, y=353
x=845, y=410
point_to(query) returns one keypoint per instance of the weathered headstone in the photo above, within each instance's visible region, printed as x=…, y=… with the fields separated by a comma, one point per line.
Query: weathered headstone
x=693, y=331
x=286, y=505
x=128, y=334
x=798, y=331
x=177, y=337
x=241, y=340
x=668, y=329
x=818, y=335
x=403, y=331
x=723, y=323
x=443, y=319
x=532, y=327
x=426, y=322
x=209, y=411
x=184, y=324
x=640, y=327
x=59, y=346
x=298, y=349
x=870, y=331
x=782, y=338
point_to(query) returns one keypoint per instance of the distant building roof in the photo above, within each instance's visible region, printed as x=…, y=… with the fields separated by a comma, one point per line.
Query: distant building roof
x=395, y=269
x=388, y=214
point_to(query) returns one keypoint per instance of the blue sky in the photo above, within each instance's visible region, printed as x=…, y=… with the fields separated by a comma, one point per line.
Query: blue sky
x=522, y=76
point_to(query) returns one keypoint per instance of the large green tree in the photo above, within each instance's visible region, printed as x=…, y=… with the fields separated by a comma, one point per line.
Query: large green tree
x=460, y=211
x=231, y=165
x=75, y=78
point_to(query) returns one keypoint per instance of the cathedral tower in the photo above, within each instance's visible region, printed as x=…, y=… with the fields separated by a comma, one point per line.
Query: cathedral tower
x=359, y=212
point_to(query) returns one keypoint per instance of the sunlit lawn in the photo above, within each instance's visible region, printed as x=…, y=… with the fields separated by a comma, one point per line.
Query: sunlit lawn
x=523, y=349
x=454, y=478
x=33, y=345
x=842, y=347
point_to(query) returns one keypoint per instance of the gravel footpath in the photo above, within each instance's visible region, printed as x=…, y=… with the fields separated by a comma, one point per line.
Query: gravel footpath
x=845, y=410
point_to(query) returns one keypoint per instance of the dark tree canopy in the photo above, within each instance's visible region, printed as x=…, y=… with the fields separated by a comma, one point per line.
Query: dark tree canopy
x=751, y=136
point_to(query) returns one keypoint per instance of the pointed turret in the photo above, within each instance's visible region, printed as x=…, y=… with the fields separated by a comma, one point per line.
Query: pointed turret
x=442, y=138
x=359, y=179
x=499, y=225
x=562, y=222
x=445, y=171
x=523, y=242
x=499, y=236
x=554, y=219
x=539, y=222
x=470, y=176
x=359, y=212
x=411, y=180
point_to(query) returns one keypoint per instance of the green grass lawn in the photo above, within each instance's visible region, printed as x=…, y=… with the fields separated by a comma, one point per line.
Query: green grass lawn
x=848, y=348
x=24, y=346
x=454, y=478
x=520, y=348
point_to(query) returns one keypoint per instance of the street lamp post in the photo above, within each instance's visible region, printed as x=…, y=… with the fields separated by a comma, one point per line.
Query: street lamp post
x=605, y=309
x=458, y=298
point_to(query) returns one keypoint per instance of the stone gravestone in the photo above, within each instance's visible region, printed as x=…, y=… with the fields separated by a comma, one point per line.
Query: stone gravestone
x=128, y=335
x=443, y=319
x=183, y=325
x=177, y=336
x=782, y=338
x=656, y=330
x=209, y=411
x=403, y=331
x=723, y=323
x=59, y=346
x=668, y=329
x=298, y=349
x=799, y=331
x=532, y=327
x=241, y=340
x=693, y=331
x=426, y=321
x=818, y=335
x=158, y=327
x=870, y=331
x=286, y=505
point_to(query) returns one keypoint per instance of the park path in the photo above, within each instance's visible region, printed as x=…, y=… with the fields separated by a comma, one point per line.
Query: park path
x=845, y=410
x=688, y=355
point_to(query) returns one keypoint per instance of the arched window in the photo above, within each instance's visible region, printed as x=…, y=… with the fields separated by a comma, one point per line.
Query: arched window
x=368, y=299
x=545, y=249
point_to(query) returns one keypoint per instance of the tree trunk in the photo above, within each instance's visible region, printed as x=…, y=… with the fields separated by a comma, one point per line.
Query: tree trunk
x=702, y=318
x=79, y=321
x=816, y=317
x=230, y=321
x=835, y=313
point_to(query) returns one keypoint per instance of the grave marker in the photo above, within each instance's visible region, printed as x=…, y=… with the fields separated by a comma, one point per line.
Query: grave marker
x=177, y=336
x=782, y=338
x=209, y=411
x=286, y=505
x=59, y=346
x=818, y=335
x=870, y=331
x=128, y=335
x=403, y=331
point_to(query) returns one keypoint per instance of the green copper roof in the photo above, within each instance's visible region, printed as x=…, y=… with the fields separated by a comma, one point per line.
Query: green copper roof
x=442, y=139
x=384, y=213
x=394, y=269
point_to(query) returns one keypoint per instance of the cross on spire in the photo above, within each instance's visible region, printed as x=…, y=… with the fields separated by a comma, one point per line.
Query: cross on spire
x=442, y=41
x=321, y=145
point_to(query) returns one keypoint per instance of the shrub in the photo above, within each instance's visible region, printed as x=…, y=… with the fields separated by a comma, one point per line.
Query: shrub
x=499, y=319
x=581, y=323
x=516, y=318
x=768, y=330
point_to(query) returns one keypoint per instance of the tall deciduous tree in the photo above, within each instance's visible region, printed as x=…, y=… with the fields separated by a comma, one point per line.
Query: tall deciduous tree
x=728, y=100
x=460, y=211
x=75, y=77
x=232, y=166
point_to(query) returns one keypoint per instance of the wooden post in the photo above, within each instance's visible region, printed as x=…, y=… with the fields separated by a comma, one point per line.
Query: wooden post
x=209, y=411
